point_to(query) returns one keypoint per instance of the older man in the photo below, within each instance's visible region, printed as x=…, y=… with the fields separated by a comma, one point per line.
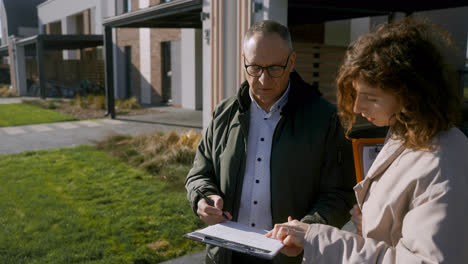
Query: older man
x=274, y=150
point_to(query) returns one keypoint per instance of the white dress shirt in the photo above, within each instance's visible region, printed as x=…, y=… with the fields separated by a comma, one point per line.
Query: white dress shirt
x=255, y=203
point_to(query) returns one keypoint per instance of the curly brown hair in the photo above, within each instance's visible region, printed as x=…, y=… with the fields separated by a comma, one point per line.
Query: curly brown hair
x=404, y=59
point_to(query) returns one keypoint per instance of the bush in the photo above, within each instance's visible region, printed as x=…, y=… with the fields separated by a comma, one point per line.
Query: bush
x=131, y=103
x=6, y=92
x=161, y=154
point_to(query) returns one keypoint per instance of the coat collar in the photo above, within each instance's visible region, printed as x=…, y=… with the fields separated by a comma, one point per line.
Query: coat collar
x=391, y=150
x=300, y=93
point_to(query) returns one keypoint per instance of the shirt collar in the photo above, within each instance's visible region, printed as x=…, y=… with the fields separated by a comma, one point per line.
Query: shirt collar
x=278, y=105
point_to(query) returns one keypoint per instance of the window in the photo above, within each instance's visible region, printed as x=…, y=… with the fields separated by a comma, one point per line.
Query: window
x=127, y=6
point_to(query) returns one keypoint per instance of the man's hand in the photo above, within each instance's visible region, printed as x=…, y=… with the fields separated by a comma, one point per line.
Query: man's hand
x=356, y=218
x=291, y=234
x=212, y=214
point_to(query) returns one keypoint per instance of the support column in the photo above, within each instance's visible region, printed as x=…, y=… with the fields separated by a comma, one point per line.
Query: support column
x=108, y=59
x=191, y=67
x=40, y=66
x=145, y=59
x=12, y=60
x=21, y=85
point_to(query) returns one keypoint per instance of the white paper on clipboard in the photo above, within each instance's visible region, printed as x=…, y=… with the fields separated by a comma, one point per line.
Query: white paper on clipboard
x=238, y=237
x=369, y=154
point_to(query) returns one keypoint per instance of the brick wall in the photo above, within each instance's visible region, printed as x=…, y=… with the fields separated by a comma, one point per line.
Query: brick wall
x=131, y=37
x=159, y=35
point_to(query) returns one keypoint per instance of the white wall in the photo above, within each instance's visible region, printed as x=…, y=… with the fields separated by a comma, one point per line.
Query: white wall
x=4, y=24
x=145, y=60
x=69, y=28
x=272, y=9
x=54, y=10
x=191, y=65
x=207, y=71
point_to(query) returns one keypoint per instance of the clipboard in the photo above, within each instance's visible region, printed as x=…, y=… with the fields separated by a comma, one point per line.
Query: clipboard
x=365, y=150
x=238, y=237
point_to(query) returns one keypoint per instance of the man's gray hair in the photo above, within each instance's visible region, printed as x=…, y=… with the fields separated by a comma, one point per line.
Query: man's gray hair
x=268, y=27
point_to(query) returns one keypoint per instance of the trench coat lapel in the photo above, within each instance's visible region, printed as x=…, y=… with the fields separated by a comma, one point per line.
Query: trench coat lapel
x=391, y=150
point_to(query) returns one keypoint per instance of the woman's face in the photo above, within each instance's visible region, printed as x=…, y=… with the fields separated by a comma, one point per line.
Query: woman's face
x=374, y=104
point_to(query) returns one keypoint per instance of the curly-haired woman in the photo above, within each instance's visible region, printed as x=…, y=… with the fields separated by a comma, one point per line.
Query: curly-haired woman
x=413, y=201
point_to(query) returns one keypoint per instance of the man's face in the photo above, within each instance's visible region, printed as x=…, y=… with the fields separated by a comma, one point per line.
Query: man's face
x=265, y=51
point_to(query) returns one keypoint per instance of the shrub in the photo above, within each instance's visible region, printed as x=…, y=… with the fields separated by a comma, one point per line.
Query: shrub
x=131, y=103
x=6, y=92
x=161, y=154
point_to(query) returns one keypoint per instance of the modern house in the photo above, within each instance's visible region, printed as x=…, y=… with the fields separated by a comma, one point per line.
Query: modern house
x=188, y=52
x=321, y=32
x=18, y=20
x=62, y=55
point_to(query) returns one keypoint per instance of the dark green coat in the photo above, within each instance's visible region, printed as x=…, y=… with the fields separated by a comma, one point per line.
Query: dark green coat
x=312, y=171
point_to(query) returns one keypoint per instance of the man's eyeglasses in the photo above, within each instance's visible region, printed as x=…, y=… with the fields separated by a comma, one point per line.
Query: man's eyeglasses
x=275, y=71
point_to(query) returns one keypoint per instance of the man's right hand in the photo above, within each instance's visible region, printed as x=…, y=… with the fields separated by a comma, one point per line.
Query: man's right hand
x=212, y=214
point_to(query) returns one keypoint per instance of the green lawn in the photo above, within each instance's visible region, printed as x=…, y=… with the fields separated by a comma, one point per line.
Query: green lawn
x=24, y=114
x=80, y=205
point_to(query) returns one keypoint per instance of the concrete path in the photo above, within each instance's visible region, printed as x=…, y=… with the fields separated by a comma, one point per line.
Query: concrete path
x=68, y=134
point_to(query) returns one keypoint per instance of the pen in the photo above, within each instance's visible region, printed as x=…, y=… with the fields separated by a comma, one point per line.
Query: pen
x=209, y=201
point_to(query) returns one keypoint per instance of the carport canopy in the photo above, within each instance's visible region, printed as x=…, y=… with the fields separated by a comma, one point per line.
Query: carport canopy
x=174, y=14
x=55, y=42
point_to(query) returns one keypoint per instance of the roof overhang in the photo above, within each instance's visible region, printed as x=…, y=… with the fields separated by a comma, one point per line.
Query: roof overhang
x=174, y=14
x=320, y=11
x=63, y=42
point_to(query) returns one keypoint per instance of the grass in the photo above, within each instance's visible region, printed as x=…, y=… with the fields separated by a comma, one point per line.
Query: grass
x=24, y=114
x=81, y=205
x=166, y=156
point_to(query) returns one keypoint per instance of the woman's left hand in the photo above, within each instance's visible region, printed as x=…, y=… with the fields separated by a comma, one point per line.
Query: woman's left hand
x=291, y=234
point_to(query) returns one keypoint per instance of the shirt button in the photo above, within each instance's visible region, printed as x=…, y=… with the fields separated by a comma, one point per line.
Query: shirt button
x=259, y=159
x=262, y=139
x=255, y=202
x=257, y=181
x=253, y=224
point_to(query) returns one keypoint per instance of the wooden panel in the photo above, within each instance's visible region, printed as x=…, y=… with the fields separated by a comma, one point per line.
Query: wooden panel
x=319, y=63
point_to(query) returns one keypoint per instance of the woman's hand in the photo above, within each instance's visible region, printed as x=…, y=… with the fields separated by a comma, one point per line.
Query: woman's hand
x=291, y=234
x=356, y=218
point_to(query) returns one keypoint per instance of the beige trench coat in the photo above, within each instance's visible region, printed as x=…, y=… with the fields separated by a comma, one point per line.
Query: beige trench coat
x=414, y=209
